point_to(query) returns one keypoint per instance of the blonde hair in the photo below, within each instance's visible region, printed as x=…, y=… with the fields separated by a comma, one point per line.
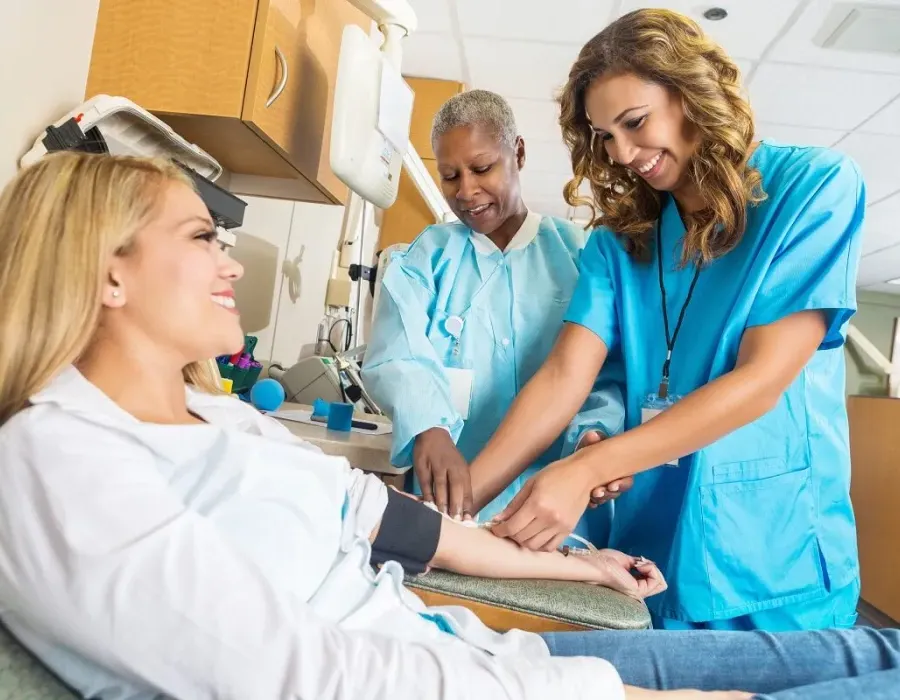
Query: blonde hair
x=670, y=50
x=61, y=220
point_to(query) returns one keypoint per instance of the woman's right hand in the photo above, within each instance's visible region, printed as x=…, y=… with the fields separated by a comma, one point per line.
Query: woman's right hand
x=443, y=473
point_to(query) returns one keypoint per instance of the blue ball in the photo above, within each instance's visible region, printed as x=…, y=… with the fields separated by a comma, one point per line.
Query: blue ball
x=267, y=395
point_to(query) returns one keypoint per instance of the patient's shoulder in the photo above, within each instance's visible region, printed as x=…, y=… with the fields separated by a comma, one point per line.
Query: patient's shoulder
x=47, y=432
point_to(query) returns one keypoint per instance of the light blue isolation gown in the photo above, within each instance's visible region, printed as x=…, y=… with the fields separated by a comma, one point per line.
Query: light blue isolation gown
x=756, y=530
x=511, y=305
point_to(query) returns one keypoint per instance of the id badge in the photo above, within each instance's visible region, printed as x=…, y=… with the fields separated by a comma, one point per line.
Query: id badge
x=460, y=389
x=653, y=405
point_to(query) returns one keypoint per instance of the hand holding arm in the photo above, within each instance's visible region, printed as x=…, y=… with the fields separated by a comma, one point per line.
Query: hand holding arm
x=540, y=412
x=770, y=358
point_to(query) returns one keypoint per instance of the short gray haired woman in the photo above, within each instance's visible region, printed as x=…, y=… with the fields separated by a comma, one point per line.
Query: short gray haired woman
x=468, y=313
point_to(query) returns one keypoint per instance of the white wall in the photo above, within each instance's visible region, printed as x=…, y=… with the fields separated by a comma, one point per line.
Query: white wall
x=275, y=231
x=45, y=53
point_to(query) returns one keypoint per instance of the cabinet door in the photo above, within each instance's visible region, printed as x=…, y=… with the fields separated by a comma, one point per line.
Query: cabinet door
x=172, y=56
x=290, y=85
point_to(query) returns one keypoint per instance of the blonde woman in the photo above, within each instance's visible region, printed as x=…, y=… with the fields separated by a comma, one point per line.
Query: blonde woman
x=723, y=277
x=159, y=539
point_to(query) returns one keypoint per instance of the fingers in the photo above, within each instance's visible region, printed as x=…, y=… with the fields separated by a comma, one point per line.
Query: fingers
x=439, y=485
x=620, y=486
x=460, y=491
x=653, y=581
x=468, y=504
x=510, y=513
x=592, y=437
x=423, y=473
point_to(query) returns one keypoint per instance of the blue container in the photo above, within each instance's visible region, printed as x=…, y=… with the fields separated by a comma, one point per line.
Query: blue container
x=340, y=416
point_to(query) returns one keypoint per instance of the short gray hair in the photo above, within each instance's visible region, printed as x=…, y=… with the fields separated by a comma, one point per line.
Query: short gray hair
x=477, y=108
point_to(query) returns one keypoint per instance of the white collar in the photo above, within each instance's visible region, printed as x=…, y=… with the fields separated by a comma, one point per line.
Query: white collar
x=72, y=391
x=525, y=235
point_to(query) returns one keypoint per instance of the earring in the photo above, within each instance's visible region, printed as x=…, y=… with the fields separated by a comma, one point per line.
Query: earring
x=115, y=294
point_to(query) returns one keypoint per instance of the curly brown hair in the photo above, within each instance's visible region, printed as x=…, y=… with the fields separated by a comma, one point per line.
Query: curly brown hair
x=671, y=50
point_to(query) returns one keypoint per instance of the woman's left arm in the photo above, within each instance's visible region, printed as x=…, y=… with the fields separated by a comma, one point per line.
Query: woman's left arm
x=769, y=359
x=802, y=305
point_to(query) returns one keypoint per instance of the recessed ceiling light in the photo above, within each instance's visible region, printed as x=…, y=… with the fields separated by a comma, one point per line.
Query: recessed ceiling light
x=714, y=14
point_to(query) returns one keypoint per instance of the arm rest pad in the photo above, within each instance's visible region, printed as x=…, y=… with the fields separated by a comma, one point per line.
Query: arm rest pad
x=580, y=605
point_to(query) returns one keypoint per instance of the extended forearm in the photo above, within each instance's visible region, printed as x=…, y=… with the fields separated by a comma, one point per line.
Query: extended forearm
x=476, y=552
x=537, y=417
x=701, y=418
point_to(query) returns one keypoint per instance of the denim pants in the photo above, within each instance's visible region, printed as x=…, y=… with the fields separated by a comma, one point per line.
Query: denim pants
x=821, y=665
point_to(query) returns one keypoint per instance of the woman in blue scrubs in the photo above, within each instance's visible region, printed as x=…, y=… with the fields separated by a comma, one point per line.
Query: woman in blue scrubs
x=469, y=311
x=722, y=276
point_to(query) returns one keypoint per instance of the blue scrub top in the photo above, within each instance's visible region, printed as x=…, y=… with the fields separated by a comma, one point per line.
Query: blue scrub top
x=762, y=517
x=512, y=304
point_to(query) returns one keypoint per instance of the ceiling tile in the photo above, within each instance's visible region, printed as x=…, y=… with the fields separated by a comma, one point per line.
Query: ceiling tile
x=433, y=15
x=745, y=33
x=877, y=157
x=518, y=68
x=562, y=21
x=797, y=45
x=879, y=267
x=536, y=119
x=805, y=96
x=887, y=121
x=798, y=135
x=882, y=225
x=432, y=56
x=884, y=288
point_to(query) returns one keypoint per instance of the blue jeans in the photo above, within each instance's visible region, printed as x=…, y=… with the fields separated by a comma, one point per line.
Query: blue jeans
x=825, y=665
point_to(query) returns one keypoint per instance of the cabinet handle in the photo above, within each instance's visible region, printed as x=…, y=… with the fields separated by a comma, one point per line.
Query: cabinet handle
x=276, y=93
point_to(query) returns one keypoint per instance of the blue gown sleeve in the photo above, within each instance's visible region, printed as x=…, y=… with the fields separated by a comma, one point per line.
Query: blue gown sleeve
x=603, y=411
x=815, y=262
x=402, y=372
x=593, y=303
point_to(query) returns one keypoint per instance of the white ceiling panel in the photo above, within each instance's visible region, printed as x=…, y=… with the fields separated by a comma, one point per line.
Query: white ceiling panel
x=432, y=56
x=562, y=21
x=749, y=28
x=879, y=267
x=798, y=135
x=433, y=15
x=882, y=225
x=518, y=68
x=887, y=121
x=536, y=119
x=877, y=157
x=806, y=96
x=797, y=46
x=884, y=288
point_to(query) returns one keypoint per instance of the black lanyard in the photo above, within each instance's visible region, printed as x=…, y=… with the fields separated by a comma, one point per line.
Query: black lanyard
x=670, y=340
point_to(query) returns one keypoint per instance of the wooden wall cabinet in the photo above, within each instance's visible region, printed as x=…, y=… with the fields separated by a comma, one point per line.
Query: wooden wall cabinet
x=875, y=455
x=410, y=214
x=249, y=81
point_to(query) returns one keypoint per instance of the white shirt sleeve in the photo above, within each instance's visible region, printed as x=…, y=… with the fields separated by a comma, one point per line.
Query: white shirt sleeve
x=99, y=556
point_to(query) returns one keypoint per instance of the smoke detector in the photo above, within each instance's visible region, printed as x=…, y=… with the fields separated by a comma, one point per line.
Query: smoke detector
x=861, y=27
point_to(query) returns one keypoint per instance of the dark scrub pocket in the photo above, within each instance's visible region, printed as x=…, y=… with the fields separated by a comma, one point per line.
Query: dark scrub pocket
x=759, y=535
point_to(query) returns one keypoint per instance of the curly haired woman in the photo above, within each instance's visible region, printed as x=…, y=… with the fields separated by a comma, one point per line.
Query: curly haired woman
x=722, y=277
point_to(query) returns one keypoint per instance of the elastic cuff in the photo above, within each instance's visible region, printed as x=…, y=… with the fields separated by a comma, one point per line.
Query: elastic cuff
x=408, y=534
